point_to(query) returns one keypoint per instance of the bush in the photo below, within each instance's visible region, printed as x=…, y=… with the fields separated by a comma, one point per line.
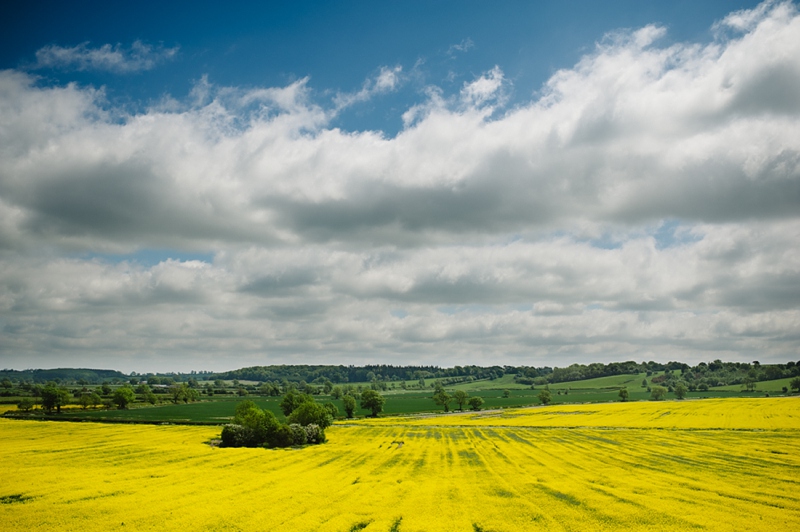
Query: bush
x=232, y=436
x=282, y=437
x=314, y=433
x=299, y=436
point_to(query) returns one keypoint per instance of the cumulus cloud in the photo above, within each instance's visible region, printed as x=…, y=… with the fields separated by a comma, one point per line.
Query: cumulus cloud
x=135, y=58
x=643, y=205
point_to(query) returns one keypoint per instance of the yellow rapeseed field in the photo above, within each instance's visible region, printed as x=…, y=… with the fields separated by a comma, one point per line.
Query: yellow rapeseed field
x=694, y=465
x=761, y=413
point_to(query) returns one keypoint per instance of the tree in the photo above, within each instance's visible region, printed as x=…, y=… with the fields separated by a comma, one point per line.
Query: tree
x=123, y=396
x=372, y=400
x=460, y=397
x=658, y=393
x=545, y=397
x=105, y=389
x=442, y=398
x=506, y=394
x=623, y=394
x=349, y=405
x=251, y=427
x=644, y=383
x=183, y=392
x=85, y=400
x=332, y=410
x=54, y=397
x=242, y=410
x=292, y=400
x=795, y=384
x=680, y=390
x=96, y=399
x=475, y=403
x=311, y=413
x=25, y=404
x=336, y=392
x=259, y=425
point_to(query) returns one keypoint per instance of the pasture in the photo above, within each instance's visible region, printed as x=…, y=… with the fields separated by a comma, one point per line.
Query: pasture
x=710, y=464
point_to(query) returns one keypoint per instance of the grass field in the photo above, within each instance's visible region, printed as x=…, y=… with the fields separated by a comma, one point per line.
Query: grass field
x=719, y=465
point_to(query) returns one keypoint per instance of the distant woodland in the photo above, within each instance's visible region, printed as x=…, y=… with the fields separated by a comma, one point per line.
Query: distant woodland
x=715, y=373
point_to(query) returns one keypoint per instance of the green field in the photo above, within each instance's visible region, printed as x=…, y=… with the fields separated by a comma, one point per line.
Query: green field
x=762, y=386
x=221, y=410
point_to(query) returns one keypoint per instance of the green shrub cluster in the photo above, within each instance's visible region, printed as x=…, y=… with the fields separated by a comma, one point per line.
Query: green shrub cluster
x=253, y=427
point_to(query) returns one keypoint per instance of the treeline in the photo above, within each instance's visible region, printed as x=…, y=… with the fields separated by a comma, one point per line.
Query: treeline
x=381, y=376
x=53, y=396
x=708, y=374
x=81, y=375
x=342, y=374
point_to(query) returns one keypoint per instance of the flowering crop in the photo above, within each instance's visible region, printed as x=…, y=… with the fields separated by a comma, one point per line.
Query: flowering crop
x=745, y=413
x=487, y=472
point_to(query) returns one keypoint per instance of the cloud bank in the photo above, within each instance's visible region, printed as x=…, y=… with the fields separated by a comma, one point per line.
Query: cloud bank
x=644, y=204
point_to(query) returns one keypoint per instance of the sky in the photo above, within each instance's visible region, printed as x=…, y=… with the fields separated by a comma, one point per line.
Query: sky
x=197, y=186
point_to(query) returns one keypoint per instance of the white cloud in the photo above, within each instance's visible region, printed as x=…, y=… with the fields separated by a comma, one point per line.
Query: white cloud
x=483, y=89
x=387, y=80
x=645, y=206
x=139, y=56
x=464, y=46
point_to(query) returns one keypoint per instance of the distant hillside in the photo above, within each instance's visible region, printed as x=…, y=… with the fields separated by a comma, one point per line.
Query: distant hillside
x=91, y=376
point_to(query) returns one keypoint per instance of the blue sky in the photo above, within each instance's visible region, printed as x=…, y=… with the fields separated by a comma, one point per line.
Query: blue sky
x=340, y=44
x=197, y=186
